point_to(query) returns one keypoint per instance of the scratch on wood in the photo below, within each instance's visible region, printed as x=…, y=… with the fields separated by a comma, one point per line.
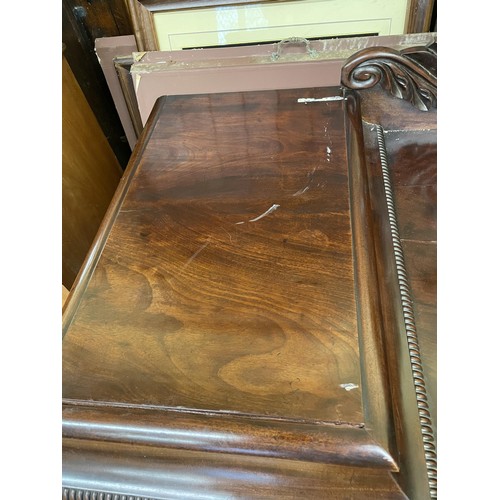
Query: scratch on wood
x=195, y=254
x=228, y=233
x=301, y=191
x=270, y=210
x=266, y=213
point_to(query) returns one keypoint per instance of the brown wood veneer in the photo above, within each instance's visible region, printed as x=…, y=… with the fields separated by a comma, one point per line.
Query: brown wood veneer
x=238, y=311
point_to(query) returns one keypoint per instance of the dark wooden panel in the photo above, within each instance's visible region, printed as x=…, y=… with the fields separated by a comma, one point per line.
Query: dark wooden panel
x=82, y=22
x=381, y=108
x=413, y=161
x=421, y=259
x=418, y=203
x=407, y=196
x=104, y=18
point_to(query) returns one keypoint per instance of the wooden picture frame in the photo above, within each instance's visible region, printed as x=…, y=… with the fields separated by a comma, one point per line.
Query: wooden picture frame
x=123, y=65
x=418, y=16
x=107, y=50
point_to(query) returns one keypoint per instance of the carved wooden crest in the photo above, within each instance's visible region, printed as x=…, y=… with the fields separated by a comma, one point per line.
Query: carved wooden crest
x=409, y=74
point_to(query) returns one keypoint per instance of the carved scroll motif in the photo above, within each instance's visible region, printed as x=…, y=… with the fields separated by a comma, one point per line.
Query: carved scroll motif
x=410, y=74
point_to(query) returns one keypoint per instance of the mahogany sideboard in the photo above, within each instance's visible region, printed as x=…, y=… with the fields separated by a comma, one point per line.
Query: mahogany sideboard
x=257, y=317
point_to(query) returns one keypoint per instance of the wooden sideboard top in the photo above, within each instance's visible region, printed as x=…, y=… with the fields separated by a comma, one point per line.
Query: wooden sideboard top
x=222, y=292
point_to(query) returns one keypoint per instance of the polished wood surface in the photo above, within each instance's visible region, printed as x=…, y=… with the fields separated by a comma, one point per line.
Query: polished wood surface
x=90, y=175
x=394, y=114
x=168, y=473
x=143, y=25
x=238, y=315
x=227, y=280
x=408, y=286
x=191, y=241
x=401, y=161
x=413, y=164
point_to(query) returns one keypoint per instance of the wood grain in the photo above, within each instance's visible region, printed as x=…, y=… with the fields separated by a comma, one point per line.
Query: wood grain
x=382, y=109
x=410, y=74
x=170, y=473
x=419, y=16
x=90, y=175
x=222, y=432
x=184, y=247
x=414, y=167
x=237, y=313
x=411, y=162
x=222, y=283
x=143, y=26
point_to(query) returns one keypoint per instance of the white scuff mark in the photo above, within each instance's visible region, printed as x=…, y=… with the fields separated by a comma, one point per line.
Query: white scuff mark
x=301, y=191
x=409, y=130
x=306, y=100
x=349, y=387
x=261, y=216
x=328, y=153
x=270, y=210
